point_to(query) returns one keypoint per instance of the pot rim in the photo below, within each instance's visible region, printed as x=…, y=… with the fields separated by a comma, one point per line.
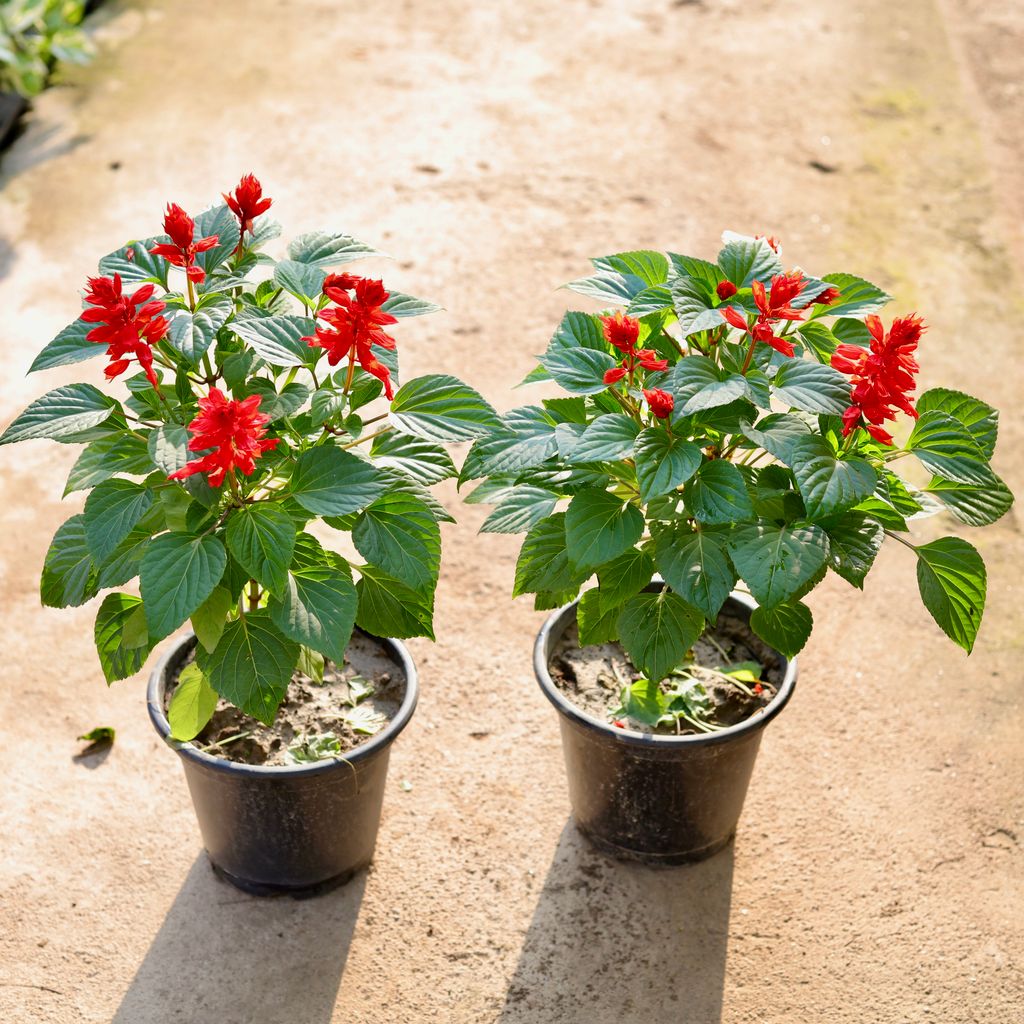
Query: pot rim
x=560, y=619
x=154, y=703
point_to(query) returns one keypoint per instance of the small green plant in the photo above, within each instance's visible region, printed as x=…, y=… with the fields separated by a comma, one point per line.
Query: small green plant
x=728, y=428
x=34, y=35
x=265, y=400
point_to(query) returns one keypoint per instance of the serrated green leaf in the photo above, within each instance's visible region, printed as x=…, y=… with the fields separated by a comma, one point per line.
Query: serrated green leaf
x=192, y=334
x=210, y=618
x=543, y=563
x=303, y=280
x=327, y=249
x=402, y=306
x=399, y=534
x=425, y=462
x=69, y=346
x=718, y=494
x=600, y=527
x=695, y=564
x=388, y=607
x=220, y=221
x=527, y=438
x=261, y=538
x=69, y=576
x=775, y=561
x=276, y=338
x=112, y=511
x=105, y=457
x=980, y=420
x=975, y=505
x=251, y=666
x=857, y=297
x=694, y=308
x=332, y=482
x=177, y=574
x=318, y=609
x=578, y=370
x=519, y=508
x=607, y=438
x=947, y=448
x=657, y=630
x=663, y=462
x=777, y=433
x=438, y=407
x=952, y=580
x=829, y=485
x=744, y=259
x=812, y=387
x=118, y=658
x=60, y=414
x=854, y=541
x=623, y=577
x=786, y=627
x=596, y=625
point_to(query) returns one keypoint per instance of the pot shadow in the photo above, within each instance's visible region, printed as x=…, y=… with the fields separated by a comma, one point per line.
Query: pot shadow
x=223, y=956
x=622, y=942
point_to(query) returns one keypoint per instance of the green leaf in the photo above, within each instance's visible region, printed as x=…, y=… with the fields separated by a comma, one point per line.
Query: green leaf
x=277, y=405
x=691, y=375
x=609, y=286
x=947, y=448
x=277, y=339
x=812, y=387
x=438, y=407
x=331, y=482
x=657, y=630
x=192, y=334
x=262, y=539
x=975, y=505
x=401, y=306
x=786, y=627
x=663, y=462
x=61, y=413
x=398, y=533
x=192, y=704
x=644, y=702
x=854, y=541
x=777, y=433
x=650, y=266
x=318, y=609
x=696, y=566
x=543, y=563
x=623, y=577
x=141, y=267
x=178, y=573
x=952, y=580
x=596, y=626
x=426, y=463
x=744, y=259
x=690, y=266
x=694, y=307
x=607, y=438
x=718, y=494
x=775, y=561
x=980, y=420
x=600, y=527
x=251, y=666
x=119, y=659
x=527, y=439
x=578, y=370
x=219, y=221
x=327, y=249
x=168, y=447
x=69, y=577
x=579, y=330
x=390, y=608
x=519, y=509
x=105, y=457
x=819, y=339
x=210, y=618
x=111, y=512
x=829, y=485
x=69, y=346
x=303, y=280
x=857, y=297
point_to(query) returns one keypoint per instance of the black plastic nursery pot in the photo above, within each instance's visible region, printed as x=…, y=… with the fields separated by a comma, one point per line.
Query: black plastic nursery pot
x=12, y=106
x=294, y=830
x=653, y=798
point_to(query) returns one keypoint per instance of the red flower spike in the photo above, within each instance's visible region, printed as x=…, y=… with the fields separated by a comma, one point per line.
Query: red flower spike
x=614, y=375
x=181, y=251
x=726, y=290
x=883, y=375
x=734, y=317
x=247, y=202
x=773, y=304
x=234, y=429
x=128, y=325
x=661, y=403
x=621, y=331
x=649, y=360
x=352, y=326
x=827, y=297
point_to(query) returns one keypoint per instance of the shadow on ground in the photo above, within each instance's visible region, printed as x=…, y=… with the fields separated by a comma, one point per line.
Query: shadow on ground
x=223, y=956
x=611, y=941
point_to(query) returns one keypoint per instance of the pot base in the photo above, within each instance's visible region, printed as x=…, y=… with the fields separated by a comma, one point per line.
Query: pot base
x=654, y=860
x=296, y=892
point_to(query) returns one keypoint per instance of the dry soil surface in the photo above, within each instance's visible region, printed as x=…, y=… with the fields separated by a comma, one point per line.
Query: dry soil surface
x=879, y=871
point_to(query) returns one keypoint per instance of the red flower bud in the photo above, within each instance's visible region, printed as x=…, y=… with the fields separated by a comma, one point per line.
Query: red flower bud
x=726, y=290
x=614, y=375
x=661, y=403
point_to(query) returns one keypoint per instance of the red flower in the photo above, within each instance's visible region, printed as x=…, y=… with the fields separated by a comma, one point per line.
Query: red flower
x=758, y=689
x=883, y=375
x=128, y=324
x=726, y=290
x=661, y=403
x=353, y=325
x=619, y=723
x=776, y=245
x=827, y=297
x=247, y=201
x=234, y=430
x=615, y=374
x=772, y=306
x=621, y=331
x=182, y=249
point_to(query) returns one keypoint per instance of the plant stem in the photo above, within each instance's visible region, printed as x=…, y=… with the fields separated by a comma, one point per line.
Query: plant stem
x=366, y=437
x=750, y=355
x=905, y=543
x=254, y=596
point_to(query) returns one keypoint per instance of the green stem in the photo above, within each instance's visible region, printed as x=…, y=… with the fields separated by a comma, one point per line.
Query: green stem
x=366, y=437
x=905, y=543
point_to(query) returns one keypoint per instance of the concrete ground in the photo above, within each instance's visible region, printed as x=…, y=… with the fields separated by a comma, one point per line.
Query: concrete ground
x=879, y=872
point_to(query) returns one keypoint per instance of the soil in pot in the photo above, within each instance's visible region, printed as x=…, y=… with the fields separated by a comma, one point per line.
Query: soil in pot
x=316, y=720
x=594, y=677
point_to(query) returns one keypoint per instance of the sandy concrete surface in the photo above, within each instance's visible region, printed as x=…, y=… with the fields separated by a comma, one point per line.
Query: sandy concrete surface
x=879, y=873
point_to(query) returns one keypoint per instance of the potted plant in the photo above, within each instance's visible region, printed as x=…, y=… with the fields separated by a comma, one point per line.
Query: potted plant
x=261, y=402
x=722, y=444
x=34, y=35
